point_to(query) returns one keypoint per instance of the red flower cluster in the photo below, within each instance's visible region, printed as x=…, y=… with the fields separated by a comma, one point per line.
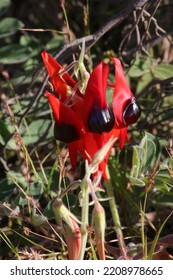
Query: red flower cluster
x=85, y=121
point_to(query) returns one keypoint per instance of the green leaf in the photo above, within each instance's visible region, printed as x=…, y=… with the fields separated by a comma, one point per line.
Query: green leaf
x=137, y=182
x=7, y=188
x=4, y=132
x=163, y=71
x=1, y=140
x=150, y=152
x=37, y=130
x=17, y=177
x=12, y=211
x=144, y=81
x=9, y=26
x=48, y=212
x=38, y=220
x=154, y=242
x=137, y=161
x=151, y=148
x=165, y=200
x=70, y=200
x=4, y=5
x=35, y=190
x=140, y=67
x=55, y=43
x=14, y=53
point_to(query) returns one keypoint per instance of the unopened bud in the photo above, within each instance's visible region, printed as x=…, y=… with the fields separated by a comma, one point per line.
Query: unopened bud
x=70, y=228
x=99, y=225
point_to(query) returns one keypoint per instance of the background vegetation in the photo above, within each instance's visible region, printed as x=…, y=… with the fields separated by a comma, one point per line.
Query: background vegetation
x=31, y=168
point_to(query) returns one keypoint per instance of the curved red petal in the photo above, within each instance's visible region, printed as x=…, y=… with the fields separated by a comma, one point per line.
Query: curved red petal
x=53, y=66
x=63, y=114
x=59, y=82
x=95, y=94
x=73, y=148
x=122, y=93
x=73, y=240
x=123, y=137
x=78, y=147
x=73, y=152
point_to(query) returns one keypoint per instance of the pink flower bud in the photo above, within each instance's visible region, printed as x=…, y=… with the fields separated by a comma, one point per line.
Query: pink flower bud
x=70, y=228
x=99, y=224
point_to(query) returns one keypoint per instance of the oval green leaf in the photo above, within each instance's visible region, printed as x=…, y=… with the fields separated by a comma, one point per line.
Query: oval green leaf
x=9, y=26
x=14, y=53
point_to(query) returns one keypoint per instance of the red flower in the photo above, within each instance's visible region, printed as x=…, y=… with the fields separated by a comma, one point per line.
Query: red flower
x=86, y=122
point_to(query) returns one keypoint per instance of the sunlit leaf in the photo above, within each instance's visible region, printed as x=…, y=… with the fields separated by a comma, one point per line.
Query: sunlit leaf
x=137, y=160
x=144, y=81
x=9, y=26
x=140, y=67
x=136, y=182
x=163, y=71
x=38, y=130
x=4, y=4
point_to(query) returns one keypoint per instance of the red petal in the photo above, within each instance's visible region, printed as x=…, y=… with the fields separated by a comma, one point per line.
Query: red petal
x=75, y=147
x=73, y=241
x=59, y=82
x=73, y=151
x=53, y=66
x=122, y=93
x=95, y=94
x=123, y=137
x=63, y=114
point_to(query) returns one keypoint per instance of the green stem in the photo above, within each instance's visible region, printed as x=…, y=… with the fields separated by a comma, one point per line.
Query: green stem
x=116, y=219
x=84, y=219
x=143, y=236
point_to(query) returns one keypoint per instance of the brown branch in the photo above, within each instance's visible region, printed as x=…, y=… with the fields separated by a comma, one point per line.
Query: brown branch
x=92, y=39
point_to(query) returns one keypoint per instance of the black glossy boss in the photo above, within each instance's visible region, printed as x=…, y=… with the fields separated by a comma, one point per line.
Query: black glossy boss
x=65, y=133
x=101, y=120
x=131, y=112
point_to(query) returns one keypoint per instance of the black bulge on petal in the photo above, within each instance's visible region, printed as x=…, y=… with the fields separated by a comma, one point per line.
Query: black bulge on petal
x=66, y=133
x=101, y=120
x=131, y=112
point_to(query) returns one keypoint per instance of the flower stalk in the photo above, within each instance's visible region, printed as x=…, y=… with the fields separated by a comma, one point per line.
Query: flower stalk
x=116, y=218
x=98, y=223
x=84, y=218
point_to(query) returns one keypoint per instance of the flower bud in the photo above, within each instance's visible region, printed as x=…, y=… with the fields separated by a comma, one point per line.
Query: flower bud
x=99, y=225
x=70, y=228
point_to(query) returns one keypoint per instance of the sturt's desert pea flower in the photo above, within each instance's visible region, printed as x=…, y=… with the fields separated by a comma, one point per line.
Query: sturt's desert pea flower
x=85, y=121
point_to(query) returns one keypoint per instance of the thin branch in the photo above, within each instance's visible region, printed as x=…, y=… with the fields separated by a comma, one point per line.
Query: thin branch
x=90, y=40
